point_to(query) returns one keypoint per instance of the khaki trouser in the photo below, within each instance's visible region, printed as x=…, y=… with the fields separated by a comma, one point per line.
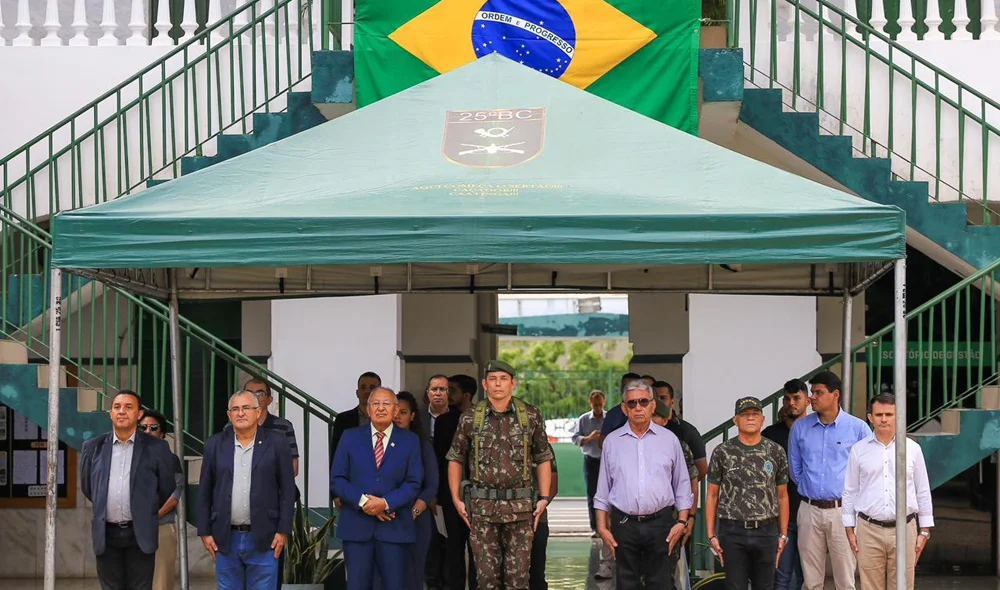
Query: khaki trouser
x=165, y=575
x=821, y=530
x=877, y=555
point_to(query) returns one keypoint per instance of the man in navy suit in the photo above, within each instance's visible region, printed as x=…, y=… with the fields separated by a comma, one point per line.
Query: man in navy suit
x=246, y=499
x=377, y=473
x=127, y=475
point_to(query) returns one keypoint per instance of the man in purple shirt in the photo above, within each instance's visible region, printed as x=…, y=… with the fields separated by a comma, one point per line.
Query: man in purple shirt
x=643, y=479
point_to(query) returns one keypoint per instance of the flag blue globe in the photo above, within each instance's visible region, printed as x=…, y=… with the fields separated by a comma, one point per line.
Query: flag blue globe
x=537, y=33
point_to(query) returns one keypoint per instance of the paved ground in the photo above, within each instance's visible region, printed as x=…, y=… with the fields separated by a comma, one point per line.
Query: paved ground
x=573, y=556
x=572, y=563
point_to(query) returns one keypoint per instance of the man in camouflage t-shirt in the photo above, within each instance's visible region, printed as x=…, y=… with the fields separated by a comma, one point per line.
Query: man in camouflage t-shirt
x=748, y=491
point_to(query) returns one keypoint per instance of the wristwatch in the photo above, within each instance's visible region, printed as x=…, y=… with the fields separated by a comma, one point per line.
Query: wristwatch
x=546, y=498
x=925, y=534
x=783, y=538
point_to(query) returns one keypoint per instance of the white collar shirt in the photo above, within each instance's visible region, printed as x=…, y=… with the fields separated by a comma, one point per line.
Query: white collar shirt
x=870, y=483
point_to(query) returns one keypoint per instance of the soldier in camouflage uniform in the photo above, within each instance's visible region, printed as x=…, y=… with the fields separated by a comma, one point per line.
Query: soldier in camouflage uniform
x=499, y=440
x=748, y=490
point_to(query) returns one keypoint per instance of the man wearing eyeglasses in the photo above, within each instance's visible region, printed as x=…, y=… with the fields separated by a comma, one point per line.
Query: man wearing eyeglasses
x=643, y=479
x=165, y=572
x=246, y=499
x=262, y=390
x=377, y=472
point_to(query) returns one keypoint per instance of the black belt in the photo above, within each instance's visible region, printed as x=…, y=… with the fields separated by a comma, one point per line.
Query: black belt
x=825, y=504
x=886, y=524
x=120, y=525
x=240, y=528
x=625, y=516
x=508, y=494
x=750, y=524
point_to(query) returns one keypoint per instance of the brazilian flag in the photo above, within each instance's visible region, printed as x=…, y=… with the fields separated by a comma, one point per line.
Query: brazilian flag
x=641, y=54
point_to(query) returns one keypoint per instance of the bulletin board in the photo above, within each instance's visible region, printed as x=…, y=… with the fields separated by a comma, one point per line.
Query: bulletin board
x=23, y=449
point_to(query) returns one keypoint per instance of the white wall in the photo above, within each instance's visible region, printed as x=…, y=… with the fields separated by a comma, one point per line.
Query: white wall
x=322, y=345
x=744, y=345
x=47, y=84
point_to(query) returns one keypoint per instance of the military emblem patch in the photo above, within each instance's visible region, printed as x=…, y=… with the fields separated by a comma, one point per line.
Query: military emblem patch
x=497, y=138
x=768, y=467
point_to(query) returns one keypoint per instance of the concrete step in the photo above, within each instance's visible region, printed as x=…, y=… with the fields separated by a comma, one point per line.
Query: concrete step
x=13, y=352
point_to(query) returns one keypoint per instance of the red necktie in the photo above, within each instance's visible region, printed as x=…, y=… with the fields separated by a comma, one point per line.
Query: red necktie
x=379, y=449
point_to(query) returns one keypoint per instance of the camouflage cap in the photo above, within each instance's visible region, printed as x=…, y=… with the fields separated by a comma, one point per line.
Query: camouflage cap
x=495, y=365
x=662, y=410
x=748, y=403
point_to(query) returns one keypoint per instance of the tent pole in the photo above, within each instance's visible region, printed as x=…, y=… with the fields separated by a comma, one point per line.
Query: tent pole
x=52, y=441
x=847, y=359
x=899, y=388
x=175, y=378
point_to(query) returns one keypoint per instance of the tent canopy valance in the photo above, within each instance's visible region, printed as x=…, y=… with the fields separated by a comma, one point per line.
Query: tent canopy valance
x=492, y=177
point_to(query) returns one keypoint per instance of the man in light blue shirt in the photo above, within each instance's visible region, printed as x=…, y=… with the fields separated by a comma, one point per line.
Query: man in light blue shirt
x=818, y=447
x=586, y=435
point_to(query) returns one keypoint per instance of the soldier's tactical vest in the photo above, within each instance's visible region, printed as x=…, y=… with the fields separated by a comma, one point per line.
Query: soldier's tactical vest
x=479, y=420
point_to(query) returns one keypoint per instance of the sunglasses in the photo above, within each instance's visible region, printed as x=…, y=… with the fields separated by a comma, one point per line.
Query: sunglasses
x=149, y=427
x=642, y=402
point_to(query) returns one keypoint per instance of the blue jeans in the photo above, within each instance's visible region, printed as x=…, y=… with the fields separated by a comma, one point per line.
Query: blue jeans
x=788, y=576
x=243, y=567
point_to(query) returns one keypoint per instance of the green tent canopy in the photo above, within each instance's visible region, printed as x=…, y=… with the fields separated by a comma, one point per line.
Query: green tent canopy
x=495, y=177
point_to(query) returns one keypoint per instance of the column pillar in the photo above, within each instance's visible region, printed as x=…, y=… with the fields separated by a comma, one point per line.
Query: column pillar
x=441, y=334
x=830, y=341
x=658, y=327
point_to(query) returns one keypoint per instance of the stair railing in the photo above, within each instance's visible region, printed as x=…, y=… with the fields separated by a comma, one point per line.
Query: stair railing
x=174, y=107
x=951, y=355
x=115, y=340
x=893, y=103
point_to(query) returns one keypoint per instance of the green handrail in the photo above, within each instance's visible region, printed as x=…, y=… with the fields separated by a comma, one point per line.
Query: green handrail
x=172, y=108
x=952, y=355
x=116, y=340
x=807, y=53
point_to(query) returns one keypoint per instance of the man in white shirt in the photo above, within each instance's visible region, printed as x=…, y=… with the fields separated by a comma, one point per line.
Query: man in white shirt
x=869, y=509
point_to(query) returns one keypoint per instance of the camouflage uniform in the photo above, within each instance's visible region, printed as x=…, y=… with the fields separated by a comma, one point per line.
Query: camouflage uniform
x=748, y=527
x=748, y=478
x=501, y=533
x=689, y=461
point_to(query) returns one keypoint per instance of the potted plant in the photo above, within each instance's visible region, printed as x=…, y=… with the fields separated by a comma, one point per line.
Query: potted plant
x=309, y=563
x=714, y=18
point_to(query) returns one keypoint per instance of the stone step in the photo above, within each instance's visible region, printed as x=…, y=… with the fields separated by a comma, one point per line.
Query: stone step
x=13, y=352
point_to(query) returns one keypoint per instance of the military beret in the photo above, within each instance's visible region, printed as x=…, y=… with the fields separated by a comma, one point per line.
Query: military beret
x=496, y=365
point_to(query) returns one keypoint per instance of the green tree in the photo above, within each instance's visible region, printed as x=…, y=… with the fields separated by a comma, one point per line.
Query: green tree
x=558, y=379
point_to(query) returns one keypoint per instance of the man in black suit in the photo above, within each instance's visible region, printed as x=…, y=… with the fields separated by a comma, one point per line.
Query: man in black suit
x=446, y=557
x=127, y=475
x=246, y=499
x=354, y=417
x=357, y=415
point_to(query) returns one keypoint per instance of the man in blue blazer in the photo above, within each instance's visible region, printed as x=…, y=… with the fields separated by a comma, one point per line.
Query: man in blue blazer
x=377, y=472
x=246, y=499
x=127, y=475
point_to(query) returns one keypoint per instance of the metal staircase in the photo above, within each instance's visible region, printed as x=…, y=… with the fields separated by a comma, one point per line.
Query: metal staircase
x=876, y=118
x=864, y=131
x=247, y=74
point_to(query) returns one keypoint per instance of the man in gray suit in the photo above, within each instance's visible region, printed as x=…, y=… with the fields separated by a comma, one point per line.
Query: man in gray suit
x=127, y=475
